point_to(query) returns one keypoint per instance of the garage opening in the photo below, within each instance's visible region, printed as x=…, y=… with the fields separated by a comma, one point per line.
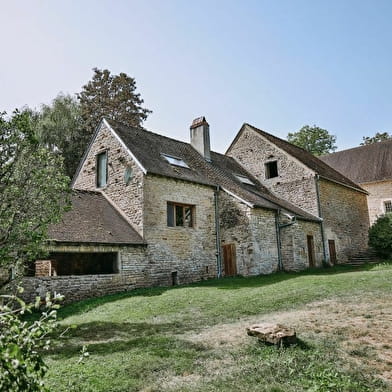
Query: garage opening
x=80, y=264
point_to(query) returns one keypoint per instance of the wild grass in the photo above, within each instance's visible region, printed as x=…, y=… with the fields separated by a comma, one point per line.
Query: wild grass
x=184, y=338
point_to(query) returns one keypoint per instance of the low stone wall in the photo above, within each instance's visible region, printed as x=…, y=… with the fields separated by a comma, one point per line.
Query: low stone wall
x=76, y=287
x=137, y=270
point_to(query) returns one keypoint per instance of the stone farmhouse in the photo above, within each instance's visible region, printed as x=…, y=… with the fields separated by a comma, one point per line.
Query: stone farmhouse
x=371, y=167
x=149, y=210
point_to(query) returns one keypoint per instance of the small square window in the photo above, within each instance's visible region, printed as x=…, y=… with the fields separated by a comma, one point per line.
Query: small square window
x=179, y=215
x=388, y=206
x=271, y=169
x=102, y=169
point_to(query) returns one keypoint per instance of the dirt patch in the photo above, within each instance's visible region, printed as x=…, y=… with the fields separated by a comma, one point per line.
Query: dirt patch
x=361, y=326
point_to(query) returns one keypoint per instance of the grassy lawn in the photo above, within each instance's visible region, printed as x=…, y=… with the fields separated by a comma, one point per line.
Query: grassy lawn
x=193, y=338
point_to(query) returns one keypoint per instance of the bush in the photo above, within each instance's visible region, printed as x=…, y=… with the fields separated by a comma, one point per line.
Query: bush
x=21, y=365
x=380, y=235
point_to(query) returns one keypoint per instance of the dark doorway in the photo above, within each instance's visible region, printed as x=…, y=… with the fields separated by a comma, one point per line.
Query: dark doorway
x=229, y=260
x=332, y=251
x=311, y=254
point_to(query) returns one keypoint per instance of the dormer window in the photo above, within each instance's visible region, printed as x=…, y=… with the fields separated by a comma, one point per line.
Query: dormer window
x=175, y=161
x=244, y=180
x=271, y=169
x=102, y=169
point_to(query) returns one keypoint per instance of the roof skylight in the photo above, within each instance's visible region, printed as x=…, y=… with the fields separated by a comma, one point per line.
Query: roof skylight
x=175, y=161
x=244, y=180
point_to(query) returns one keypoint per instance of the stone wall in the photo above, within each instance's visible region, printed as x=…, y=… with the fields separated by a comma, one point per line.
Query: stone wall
x=133, y=267
x=295, y=182
x=294, y=245
x=346, y=218
x=128, y=198
x=379, y=192
x=188, y=251
x=254, y=234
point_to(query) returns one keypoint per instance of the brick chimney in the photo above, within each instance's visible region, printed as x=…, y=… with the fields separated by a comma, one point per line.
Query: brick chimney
x=200, y=137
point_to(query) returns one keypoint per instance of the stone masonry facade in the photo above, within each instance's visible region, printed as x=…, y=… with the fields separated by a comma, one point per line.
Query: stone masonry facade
x=190, y=252
x=253, y=233
x=346, y=219
x=295, y=252
x=295, y=182
x=379, y=193
x=128, y=198
x=343, y=210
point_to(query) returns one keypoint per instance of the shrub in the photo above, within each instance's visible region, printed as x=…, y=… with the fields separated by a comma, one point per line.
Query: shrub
x=21, y=365
x=380, y=235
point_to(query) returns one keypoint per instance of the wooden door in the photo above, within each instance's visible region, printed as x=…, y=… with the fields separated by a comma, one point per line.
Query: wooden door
x=311, y=255
x=332, y=251
x=229, y=260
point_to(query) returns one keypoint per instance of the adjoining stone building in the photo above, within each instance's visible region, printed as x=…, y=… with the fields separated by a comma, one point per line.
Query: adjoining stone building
x=150, y=210
x=371, y=167
x=299, y=177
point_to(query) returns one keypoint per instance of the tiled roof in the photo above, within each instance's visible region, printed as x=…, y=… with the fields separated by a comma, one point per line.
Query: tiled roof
x=92, y=219
x=365, y=163
x=149, y=147
x=312, y=162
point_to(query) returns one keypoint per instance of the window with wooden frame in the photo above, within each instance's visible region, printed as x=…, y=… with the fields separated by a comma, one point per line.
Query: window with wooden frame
x=102, y=169
x=180, y=214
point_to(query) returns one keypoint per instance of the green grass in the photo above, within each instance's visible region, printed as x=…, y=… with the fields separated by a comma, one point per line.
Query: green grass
x=140, y=340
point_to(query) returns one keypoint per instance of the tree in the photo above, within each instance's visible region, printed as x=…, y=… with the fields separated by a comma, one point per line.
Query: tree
x=32, y=190
x=59, y=127
x=113, y=97
x=313, y=139
x=380, y=235
x=378, y=137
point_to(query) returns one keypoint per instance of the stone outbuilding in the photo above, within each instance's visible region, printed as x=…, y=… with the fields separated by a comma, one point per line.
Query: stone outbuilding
x=149, y=210
x=371, y=167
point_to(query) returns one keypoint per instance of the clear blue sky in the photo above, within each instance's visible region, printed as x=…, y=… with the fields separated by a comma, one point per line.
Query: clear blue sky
x=275, y=64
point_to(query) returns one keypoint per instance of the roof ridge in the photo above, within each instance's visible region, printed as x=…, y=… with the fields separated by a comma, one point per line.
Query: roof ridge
x=280, y=139
x=156, y=134
x=371, y=145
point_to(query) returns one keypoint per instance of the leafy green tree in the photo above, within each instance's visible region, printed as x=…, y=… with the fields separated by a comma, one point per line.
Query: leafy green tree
x=314, y=139
x=380, y=235
x=59, y=127
x=33, y=190
x=113, y=97
x=378, y=137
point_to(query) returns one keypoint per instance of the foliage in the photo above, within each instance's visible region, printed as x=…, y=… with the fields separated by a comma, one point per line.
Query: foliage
x=380, y=235
x=21, y=364
x=378, y=137
x=59, y=127
x=313, y=139
x=113, y=97
x=32, y=190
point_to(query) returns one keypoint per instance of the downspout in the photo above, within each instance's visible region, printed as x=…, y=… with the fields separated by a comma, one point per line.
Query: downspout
x=217, y=231
x=278, y=228
x=317, y=179
x=280, y=264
